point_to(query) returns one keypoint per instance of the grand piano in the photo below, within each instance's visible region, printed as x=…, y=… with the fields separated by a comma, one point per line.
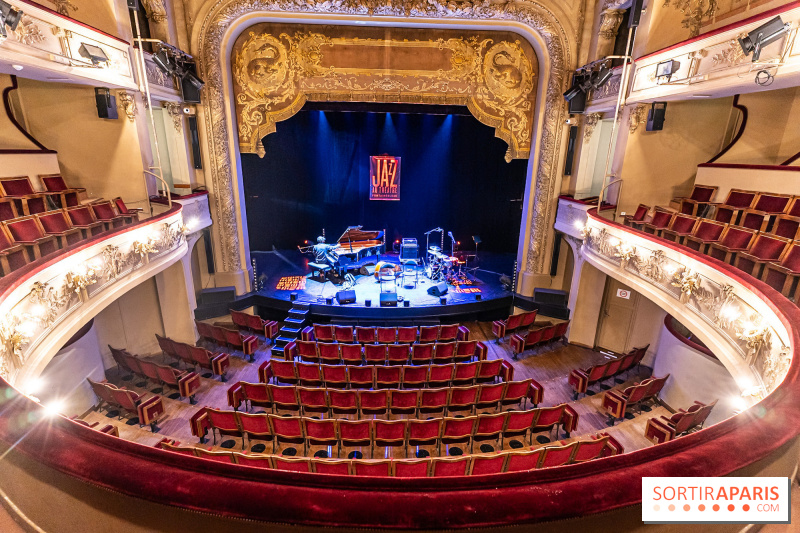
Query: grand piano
x=356, y=244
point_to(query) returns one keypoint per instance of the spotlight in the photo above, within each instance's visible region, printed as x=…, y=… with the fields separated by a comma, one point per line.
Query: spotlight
x=754, y=41
x=196, y=82
x=93, y=53
x=9, y=16
x=53, y=408
x=572, y=92
x=666, y=69
x=164, y=62
x=601, y=77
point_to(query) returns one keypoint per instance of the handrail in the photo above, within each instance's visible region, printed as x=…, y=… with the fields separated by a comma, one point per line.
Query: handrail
x=619, y=193
x=166, y=189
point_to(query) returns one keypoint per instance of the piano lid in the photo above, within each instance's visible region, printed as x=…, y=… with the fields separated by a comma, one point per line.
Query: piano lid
x=354, y=234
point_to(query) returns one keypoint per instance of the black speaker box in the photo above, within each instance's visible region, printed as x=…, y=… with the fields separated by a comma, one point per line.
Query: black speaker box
x=551, y=297
x=635, y=15
x=656, y=116
x=194, y=137
x=106, y=103
x=573, y=135
x=577, y=105
x=438, y=289
x=189, y=92
x=388, y=299
x=346, y=297
x=216, y=295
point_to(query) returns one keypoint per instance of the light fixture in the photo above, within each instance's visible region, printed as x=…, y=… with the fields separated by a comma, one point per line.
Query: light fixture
x=666, y=69
x=93, y=53
x=9, y=16
x=192, y=78
x=53, y=407
x=164, y=62
x=34, y=386
x=601, y=77
x=757, y=39
x=17, y=67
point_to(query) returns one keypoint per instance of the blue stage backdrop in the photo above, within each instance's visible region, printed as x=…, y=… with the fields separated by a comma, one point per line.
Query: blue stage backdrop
x=315, y=175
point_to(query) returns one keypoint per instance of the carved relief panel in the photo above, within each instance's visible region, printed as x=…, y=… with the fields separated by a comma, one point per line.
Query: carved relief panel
x=277, y=68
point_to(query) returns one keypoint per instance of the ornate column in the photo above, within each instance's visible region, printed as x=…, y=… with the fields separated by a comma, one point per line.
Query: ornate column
x=157, y=15
x=610, y=20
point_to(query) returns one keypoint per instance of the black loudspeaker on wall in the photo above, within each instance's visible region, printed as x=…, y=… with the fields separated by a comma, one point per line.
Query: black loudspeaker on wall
x=388, y=299
x=194, y=137
x=636, y=13
x=346, y=297
x=189, y=92
x=656, y=116
x=573, y=134
x=438, y=289
x=106, y=103
x=578, y=104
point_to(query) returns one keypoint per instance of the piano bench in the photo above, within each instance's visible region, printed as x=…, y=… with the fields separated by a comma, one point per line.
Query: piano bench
x=319, y=269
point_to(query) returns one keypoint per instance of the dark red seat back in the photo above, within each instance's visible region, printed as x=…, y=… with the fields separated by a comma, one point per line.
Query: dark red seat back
x=17, y=186
x=702, y=193
x=54, y=222
x=736, y=237
x=80, y=216
x=772, y=203
x=25, y=230
x=767, y=248
x=54, y=183
x=104, y=211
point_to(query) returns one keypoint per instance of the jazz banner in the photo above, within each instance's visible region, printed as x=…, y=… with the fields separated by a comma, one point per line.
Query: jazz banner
x=384, y=173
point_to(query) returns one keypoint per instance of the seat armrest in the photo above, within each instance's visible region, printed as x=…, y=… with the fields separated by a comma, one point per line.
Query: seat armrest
x=265, y=372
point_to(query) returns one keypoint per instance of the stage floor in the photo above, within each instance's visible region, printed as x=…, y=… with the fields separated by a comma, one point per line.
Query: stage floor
x=282, y=273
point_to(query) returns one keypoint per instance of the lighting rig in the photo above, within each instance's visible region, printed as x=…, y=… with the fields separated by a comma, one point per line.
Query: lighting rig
x=591, y=76
x=9, y=16
x=175, y=62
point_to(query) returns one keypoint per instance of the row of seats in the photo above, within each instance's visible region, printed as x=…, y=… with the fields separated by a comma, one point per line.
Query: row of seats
x=512, y=323
x=255, y=324
x=218, y=363
x=596, y=447
x=228, y=337
x=108, y=429
x=28, y=238
x=616, y=402
x=538, y=336
x=384, y=335
x=368, y=377
x=187, y=383
x=414, y=402
x=148, y=410
x=755, y=232
x=665, y=428
x=18, y=193
x=581, y=378
x=378, y=354
x=382, y=433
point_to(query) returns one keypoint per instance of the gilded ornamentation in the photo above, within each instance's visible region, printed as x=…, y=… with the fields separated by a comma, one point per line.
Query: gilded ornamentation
x=695, y=12
x=156, y=10
x=51, y=301
x=175, y=111
x=609, y=89
x=627, y=254
x=275, y=74
x=28, y=32
x=63, y=7
x=589, y=123
x=12, y=338
x=776, y=364
x=609, y=23
x=756, y=337
x=689, y=284
x=637, y=117
x=127, y=103
x=223, y=17
x=653, y=268
x=730, y=56
x=157, y=77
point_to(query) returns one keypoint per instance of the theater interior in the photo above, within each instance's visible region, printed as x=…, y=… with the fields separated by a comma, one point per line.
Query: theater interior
x=394, y=264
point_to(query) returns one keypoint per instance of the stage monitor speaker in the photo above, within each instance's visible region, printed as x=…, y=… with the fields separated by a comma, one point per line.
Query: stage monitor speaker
x=388, y=299
x=635, y=14
x=438, y=289
x=106, y=103
x=656, y=116
x=194, y=137
x=573, y=135
x=346, y=297
x=368, y=303
x=406, y=303
x=328, y=301
x=551, y=297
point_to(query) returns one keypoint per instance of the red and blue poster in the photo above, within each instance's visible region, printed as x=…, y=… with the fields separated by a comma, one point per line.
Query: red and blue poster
x=384, y=173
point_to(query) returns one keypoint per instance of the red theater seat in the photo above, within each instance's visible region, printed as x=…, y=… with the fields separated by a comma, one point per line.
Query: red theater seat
x=786, y=226
x=734, y=240
x=662, y=429
x=8, y=209
x=783, y=275
x=343, y=334
x=28, y=201
x=28, y=232
x=679, y=227
x=704, y=233
x=637, y=217
x=131, y=214
x=660, y=221
x=764, y=249
x=738, y=200
x=701, y=194
x=12, y=255
x=67, y=196
x=105, y=213
x=56, y=223
x=83, y=218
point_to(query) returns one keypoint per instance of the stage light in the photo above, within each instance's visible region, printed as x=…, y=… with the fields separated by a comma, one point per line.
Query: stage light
x=93, y=53
x=754, y=41
x=601, y=77
x=666, y=69
x=53, y=407
x=572, y=92
x=9, y=16
x=164, y=62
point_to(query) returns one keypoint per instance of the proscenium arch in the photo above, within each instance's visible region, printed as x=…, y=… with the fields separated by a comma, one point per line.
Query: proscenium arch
x=222, y=24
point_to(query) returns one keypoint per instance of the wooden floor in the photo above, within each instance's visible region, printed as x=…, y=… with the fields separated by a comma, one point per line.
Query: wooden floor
x=549, y=366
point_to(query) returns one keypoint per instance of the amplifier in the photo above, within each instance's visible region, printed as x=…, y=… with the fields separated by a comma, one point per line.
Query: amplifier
x=388, y=299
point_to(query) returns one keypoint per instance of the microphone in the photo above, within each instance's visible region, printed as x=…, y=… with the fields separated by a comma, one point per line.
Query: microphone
x=450, y=234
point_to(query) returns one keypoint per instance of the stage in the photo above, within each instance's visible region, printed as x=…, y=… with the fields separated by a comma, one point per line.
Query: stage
x=282, y=274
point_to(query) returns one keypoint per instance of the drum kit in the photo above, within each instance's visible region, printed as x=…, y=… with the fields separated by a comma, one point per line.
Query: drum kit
x=439, y=265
